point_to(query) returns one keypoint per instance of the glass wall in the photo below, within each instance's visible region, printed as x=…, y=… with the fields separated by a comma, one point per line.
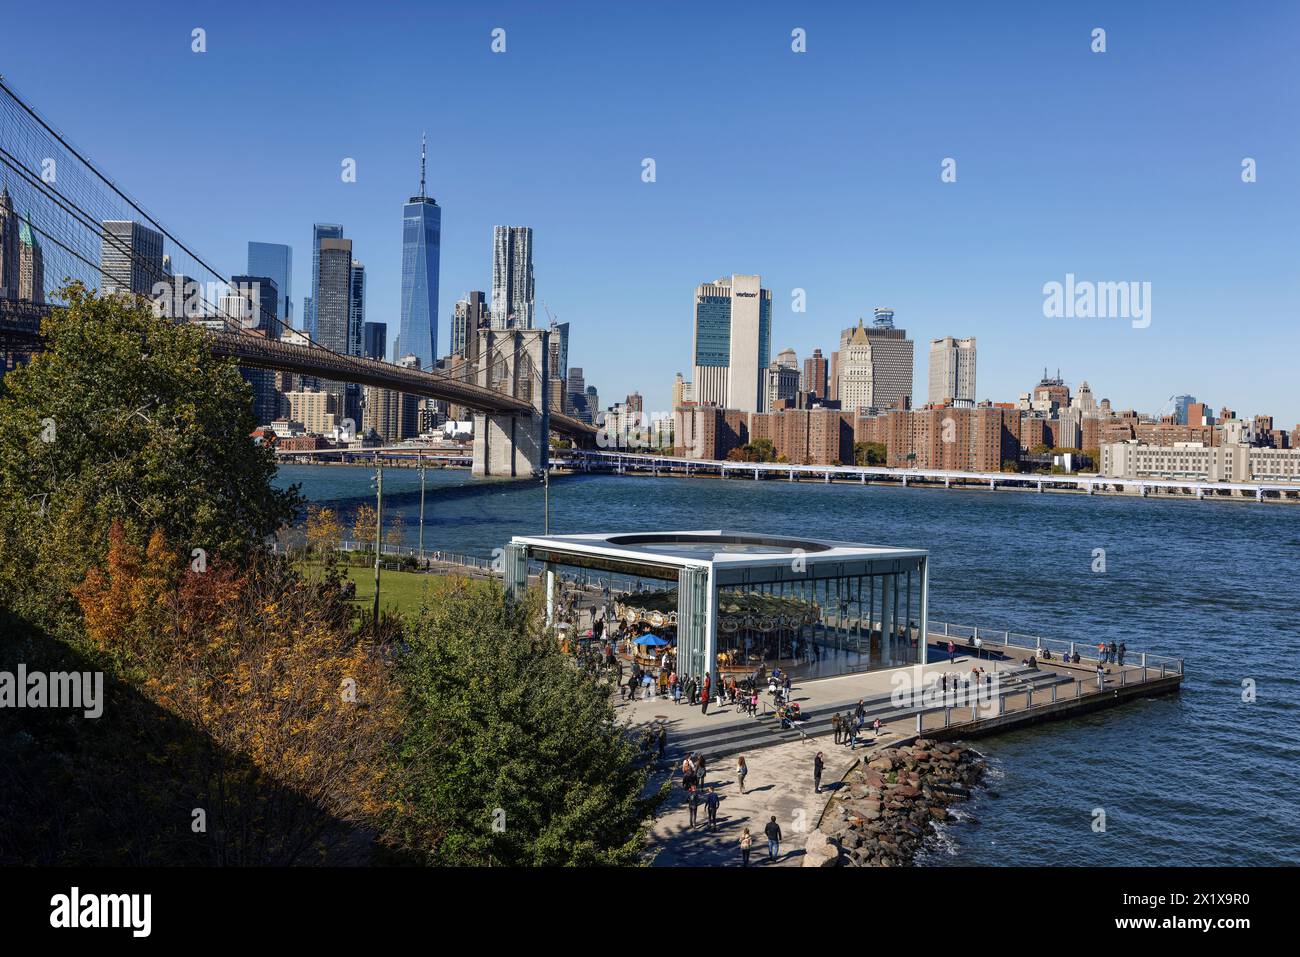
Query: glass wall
x=820, y=626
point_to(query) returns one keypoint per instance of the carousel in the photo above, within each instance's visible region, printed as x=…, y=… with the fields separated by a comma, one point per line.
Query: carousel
x=753, y=627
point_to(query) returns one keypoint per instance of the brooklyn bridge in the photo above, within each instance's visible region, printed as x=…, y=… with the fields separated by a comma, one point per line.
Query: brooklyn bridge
x=61, y=201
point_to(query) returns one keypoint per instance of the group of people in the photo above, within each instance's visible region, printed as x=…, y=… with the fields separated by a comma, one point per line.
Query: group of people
x=847, y=726
x=1114, y=654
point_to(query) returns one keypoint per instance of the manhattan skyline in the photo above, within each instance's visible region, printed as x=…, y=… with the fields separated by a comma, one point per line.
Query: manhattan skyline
x=1117, y=166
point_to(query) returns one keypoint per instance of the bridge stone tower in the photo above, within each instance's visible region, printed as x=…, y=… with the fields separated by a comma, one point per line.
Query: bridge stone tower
x=513, y=445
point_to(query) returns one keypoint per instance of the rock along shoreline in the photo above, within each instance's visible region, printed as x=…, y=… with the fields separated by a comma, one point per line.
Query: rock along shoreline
x=887, y=806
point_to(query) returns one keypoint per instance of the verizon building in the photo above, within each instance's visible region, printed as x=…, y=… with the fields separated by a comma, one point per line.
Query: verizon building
x=732, y=342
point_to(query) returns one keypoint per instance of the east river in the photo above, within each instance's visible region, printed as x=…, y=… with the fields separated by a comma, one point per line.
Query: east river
x=1209, y=776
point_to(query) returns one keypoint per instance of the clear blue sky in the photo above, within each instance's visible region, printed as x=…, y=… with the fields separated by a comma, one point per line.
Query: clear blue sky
x=816, y=170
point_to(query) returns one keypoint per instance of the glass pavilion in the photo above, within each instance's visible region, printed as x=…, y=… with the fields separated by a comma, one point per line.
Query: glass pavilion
x=738, y=601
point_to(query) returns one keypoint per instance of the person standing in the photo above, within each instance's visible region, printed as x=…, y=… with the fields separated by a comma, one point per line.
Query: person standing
x=711, y=805
x=742, y=769
x=773, y=832
x=663, y=741
x=1123, y=650
x=704, y=698
x=746, y=842
x=875, y=727
x=700, y=768
x=952, y=651
x=818, y=765
x=835, y=726
x=693, y=803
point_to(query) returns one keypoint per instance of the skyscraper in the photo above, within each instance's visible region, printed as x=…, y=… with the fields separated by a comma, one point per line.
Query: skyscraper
x=375, y=340
x=421, y=238
x=470, y=316
x=512, y=277
x=875, y=365
x=356, y=309
x=952, y=371
x=319, y=231
x=815, y=375
x=333, y=312
x=275, y=260
x=31, y=265
x=732, y=342
x=254, y=301
x=8, y=246
x=130, y=257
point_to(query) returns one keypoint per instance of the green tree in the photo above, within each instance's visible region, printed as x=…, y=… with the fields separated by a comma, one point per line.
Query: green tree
x=510, y=755
x=124, y=417
x=869, y=453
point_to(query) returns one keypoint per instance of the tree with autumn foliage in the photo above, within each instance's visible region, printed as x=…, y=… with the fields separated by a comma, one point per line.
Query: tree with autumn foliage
x=292, y=713
x=124, y=417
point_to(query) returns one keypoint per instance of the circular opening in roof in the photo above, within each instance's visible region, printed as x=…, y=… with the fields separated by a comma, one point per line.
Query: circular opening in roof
x=680, y=544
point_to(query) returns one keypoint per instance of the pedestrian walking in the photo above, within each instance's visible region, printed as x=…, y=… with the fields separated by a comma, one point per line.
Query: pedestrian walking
x=693, y=803
x=773, y=832
x=700, y=768
x=818, y=765
x=742, y=769
x=704, y=696
x=875, y=727
x=952, y=651
x=711, y=804
x=746, y=842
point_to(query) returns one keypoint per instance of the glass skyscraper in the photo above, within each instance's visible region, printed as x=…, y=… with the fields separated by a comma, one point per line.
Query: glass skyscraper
x=275, y=261
x=319, y=231
x=421, y=237
x=357, y=310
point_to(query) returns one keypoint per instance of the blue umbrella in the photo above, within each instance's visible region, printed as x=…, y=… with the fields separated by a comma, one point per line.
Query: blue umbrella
x=652, y=640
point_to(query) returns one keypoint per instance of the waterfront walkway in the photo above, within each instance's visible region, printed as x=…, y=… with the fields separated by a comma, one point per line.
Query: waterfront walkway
x=781, y=761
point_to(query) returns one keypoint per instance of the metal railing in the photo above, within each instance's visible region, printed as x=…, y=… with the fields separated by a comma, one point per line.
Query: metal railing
x=1059, y=647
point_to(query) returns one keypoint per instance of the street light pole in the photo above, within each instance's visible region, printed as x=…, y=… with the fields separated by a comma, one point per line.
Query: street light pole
x=421, y=546
x=379, y=527
x=546, y=500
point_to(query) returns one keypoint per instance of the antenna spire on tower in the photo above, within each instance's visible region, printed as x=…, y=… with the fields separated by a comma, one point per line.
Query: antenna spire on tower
x=424, y=139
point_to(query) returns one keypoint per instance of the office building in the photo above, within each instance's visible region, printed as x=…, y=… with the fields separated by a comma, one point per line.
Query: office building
x=319, y=232
x=780, y=387
x=374, y=340
x=333, y=312
x=31, y=265
x=952, y=372
x=421, y=241
x=471, y=315
x=275, y=260
x=732, y=342
x=875, y=365
x=512, y=277
x=8, y=246
x=130, y=258
x=356, y=309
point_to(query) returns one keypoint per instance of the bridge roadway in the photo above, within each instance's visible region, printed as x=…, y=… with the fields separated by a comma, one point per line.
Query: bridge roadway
x=20, y=323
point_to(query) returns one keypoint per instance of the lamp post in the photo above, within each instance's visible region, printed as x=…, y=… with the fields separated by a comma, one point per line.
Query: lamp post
x=546, y=500
x=379, y=528
x=421, y=545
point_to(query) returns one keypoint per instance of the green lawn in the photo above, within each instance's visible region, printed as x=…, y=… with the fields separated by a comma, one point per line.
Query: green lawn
x=398, y=591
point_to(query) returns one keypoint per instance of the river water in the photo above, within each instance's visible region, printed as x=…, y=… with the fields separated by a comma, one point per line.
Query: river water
x=1203, y=777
